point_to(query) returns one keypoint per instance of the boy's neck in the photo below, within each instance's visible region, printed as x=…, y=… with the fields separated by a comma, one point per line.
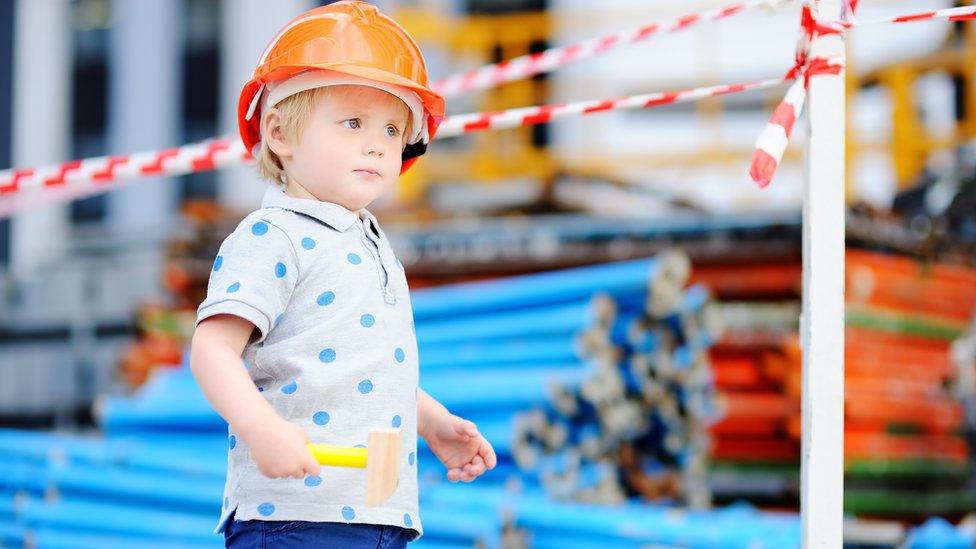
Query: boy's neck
x=295, y=190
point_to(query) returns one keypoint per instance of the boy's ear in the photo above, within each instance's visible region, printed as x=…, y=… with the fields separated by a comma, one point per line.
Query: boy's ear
x=272, y=132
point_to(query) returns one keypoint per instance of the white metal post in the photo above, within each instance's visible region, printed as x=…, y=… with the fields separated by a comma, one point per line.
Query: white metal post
x=822, y=320
x=41, y=125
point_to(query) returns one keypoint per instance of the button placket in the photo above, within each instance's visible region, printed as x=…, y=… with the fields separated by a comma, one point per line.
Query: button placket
x=389, y=260
x=374, y=250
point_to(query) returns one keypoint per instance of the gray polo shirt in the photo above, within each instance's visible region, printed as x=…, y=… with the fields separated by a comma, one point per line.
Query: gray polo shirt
x=334, y=353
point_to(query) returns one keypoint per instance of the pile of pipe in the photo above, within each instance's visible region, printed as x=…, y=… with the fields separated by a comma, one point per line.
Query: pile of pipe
x=636, y=421
x=490, y=351
x=611, y=359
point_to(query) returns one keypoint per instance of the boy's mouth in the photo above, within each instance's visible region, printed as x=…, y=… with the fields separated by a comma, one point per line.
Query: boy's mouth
x=367, y=172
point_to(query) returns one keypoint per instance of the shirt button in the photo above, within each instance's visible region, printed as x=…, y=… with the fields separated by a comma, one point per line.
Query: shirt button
x=389, y=297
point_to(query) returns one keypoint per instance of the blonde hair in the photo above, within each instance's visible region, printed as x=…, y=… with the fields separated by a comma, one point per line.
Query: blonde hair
x=294, y=112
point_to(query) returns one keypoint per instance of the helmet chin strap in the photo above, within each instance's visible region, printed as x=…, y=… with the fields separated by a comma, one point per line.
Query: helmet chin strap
x=414, y=150
x=255, y=102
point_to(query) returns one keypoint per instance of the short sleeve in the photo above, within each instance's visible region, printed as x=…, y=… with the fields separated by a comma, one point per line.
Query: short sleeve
x=253, y=276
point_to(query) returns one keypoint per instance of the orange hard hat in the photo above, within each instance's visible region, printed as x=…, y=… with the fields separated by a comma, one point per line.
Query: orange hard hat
x=352, y=38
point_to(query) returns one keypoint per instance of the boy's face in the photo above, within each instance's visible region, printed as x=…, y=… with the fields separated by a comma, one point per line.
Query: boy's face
x=349, y=151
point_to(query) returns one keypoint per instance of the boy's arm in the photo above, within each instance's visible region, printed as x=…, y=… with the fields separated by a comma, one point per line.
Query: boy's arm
x=278, y=447
x=429, y=412
x=215, y=360
x=454, y=440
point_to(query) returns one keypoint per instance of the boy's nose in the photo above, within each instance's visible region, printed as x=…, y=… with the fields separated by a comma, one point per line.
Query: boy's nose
x=373, y=146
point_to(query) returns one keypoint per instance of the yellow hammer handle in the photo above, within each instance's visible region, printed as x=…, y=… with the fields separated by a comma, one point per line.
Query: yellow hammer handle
x=339, y=456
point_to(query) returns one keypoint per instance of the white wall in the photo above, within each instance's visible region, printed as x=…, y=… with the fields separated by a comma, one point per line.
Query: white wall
x=248, y=26
x=144, y=108
x=41, y=118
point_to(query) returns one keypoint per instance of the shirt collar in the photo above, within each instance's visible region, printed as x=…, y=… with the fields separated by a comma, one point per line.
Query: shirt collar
x=333, y=215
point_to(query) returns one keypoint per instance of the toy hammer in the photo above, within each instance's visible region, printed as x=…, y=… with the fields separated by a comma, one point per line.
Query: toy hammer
x=381, y=458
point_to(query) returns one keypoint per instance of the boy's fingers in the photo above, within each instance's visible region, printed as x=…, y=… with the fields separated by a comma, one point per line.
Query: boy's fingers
x=476, y=469
x=465, y=427
x=488, y=452
x=313, y=467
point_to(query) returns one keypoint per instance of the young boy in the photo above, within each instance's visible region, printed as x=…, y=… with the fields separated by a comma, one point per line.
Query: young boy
x=309, y=293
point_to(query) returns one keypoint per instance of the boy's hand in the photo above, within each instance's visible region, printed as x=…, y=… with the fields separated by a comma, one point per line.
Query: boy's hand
x=461, y=448
x=280, y=449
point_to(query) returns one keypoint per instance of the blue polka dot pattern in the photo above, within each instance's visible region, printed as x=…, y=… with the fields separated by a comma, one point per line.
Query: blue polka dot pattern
x=320, y=418
x=290, y=388
x=259, y=228
x=280, y=270
x=396, y=421
x=354, y=259
x=312, y=482
x=367, y=320
x=308, y=243
x=411, y=458
x=325, y=298
x=233, y=287
x=348, y=513
x=365, y=386
x=399, y=355
x=218, y=263
x=327, y=355
x=407, y=521
x=232, y=442
x=266, y=509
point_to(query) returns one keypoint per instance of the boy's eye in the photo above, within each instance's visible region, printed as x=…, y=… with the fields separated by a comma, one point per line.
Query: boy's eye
x=392, y=131
x=353, y=123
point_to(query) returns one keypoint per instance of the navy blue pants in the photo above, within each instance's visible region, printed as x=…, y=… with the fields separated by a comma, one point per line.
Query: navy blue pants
x=261, y=534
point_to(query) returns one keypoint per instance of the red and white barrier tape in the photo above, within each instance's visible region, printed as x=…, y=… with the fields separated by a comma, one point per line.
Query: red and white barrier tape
x=467, y=123
x=776, y=135
x=105, y=170
x=89, y=176
x=963, y=13
x=221, y=153
x=526, y=66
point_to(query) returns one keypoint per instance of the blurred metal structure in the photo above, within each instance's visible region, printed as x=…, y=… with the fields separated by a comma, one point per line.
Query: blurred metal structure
x=912, y=140
x=487, y=38
x=896, y=78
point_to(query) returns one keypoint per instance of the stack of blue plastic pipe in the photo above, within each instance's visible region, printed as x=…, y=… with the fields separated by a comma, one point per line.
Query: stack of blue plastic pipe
x=635, y=421
x=64, y=491
x=489, y=350
x=937, y=533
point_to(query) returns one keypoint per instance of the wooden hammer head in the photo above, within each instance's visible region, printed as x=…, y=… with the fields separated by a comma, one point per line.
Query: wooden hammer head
x=382, y=465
